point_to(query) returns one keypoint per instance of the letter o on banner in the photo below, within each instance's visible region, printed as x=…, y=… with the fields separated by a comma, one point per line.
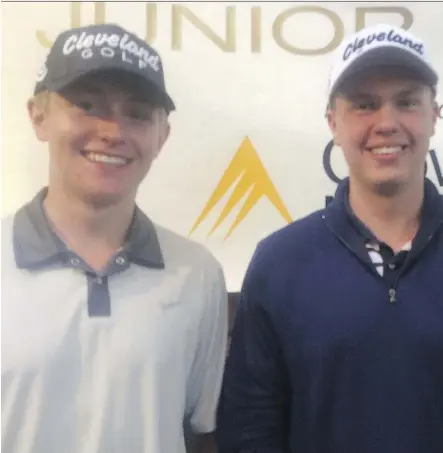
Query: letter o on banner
x=339, y=30
x=327, y=165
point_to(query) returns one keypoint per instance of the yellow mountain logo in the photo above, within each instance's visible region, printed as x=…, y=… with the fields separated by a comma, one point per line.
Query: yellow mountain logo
x=247, y=169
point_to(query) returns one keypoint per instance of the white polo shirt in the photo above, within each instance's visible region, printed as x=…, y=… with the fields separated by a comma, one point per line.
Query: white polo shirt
x=112, y=362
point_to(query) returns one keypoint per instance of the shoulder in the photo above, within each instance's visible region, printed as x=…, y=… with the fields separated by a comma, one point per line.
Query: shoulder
x=180, y=248
x=181, y=252
x=7, y=223
x=293, y=241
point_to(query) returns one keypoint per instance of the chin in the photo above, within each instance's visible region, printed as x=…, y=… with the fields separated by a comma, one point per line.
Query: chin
x=388, y=187
x=103, y=199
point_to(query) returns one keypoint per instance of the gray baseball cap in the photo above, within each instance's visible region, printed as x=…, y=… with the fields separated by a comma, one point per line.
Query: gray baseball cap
x=91, y=49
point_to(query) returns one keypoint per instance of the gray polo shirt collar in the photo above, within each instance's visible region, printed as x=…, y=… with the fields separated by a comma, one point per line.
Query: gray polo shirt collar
x=36, y=244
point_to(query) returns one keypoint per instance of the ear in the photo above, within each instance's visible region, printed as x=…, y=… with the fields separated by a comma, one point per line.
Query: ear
x=435, y=116
x=164, y=135
x=331, y=117
x=38, y=114
x=165, y=129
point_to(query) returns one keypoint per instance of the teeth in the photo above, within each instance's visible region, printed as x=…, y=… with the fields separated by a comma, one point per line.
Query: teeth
x=387, y=150
x=114, y=160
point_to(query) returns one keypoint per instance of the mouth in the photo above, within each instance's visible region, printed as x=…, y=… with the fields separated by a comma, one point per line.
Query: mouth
x=388, y=151
x=107, y=159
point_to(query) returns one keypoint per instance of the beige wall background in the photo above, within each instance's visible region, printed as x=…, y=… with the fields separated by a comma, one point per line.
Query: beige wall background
x=240, y=73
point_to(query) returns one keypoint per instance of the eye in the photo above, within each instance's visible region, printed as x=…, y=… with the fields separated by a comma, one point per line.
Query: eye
x=84, y=103
x=365, y=105
x=140, y=112
x=407, y=103
x=87, y=106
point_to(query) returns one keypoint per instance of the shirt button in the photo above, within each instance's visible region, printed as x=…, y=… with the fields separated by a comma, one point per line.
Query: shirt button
x=392, y=266
x=120, y=260
x=75, y=261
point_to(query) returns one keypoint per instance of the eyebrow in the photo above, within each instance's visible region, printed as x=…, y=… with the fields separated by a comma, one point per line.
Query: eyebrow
x=409, y=91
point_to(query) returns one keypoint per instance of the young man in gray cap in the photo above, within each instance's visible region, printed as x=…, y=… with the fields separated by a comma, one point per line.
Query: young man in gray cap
x=114, y=329
x=338, y=341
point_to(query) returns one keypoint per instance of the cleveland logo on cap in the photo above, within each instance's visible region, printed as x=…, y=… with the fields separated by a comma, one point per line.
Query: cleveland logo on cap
x=389, y=37
x=107, y=45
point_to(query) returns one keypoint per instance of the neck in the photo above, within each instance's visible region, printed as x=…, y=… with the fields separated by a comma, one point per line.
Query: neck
x=394, y=219
x=94, y=233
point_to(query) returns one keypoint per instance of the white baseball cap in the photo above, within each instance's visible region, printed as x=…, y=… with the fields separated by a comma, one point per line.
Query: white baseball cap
x=380, y=45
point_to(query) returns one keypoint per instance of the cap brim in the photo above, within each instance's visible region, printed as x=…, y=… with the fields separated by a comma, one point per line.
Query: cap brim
x=387, y=57
x=63, y=82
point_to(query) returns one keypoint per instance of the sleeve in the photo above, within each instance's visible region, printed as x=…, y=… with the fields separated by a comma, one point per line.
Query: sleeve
x=253, y=414
x=207, y=370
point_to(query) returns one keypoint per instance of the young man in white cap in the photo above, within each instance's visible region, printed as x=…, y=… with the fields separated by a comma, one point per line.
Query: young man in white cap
x=338, y=341
x=114, y=329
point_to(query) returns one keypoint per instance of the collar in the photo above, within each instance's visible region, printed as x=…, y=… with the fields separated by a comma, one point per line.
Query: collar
x=36, y=244
x=338, y=220
x=365, y=232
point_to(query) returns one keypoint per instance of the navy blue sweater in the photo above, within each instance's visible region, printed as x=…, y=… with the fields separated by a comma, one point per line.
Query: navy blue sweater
x=322, y=359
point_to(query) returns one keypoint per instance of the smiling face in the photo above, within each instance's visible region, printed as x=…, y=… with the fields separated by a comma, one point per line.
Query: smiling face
x=383, y=122
x=103, y=132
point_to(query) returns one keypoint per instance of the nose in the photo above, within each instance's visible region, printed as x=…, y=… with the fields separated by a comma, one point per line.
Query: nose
x=387, y=121
x=110, y=131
